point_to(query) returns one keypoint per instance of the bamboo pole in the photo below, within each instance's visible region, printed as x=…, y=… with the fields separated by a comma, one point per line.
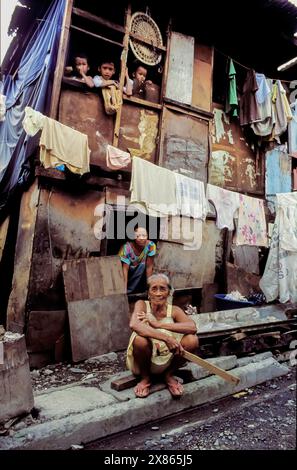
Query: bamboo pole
x=122, y=75
x=61, y=59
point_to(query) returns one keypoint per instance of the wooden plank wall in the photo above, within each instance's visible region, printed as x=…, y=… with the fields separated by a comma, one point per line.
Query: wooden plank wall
x=16, y=309
x=92, y=278
x=98, y=307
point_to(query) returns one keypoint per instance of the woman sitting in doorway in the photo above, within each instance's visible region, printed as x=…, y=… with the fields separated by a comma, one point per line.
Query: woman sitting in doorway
x=161, y=332
x=137, y=261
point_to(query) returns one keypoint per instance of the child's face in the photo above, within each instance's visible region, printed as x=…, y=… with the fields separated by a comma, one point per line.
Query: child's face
x=107, y=70
x=140, y=74
x=81, y=65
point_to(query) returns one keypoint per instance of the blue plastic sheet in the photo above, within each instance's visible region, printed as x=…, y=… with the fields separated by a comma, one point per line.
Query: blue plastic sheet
x=31, y=86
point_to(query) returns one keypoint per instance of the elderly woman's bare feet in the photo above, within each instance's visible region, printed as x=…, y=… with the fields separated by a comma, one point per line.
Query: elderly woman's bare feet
x=142, y=389
x=175, y=388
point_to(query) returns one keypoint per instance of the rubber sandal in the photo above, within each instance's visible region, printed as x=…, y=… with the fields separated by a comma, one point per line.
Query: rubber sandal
x=145, y=391
x=176, y=389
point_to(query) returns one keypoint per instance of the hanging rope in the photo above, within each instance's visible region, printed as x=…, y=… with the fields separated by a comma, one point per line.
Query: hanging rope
x=246, y=67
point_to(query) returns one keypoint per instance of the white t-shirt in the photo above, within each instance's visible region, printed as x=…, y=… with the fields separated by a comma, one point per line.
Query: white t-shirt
x=98, y=81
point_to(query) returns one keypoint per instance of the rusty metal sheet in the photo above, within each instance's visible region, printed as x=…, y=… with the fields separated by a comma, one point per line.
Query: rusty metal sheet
x=246, y=257
x=84, y=111
x=278, y=177
x=240, y=280
x=189, y=268
x=224, y=320
x=233, y=163
x=44, y=329
x=23, y=260
x=65, y=229
x=138, y=131
x=185, y=144
x=180, y=68
x=202, y=78
x=117, y=198
x=98, y=326
x=16, y=393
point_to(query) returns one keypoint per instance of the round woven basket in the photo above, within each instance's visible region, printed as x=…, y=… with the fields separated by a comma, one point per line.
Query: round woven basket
x=145, y=27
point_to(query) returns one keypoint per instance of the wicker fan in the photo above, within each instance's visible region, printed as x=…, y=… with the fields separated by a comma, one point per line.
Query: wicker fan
x=145, y=27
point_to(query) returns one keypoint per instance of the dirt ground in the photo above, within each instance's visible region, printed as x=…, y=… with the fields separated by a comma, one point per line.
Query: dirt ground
x=91, y=372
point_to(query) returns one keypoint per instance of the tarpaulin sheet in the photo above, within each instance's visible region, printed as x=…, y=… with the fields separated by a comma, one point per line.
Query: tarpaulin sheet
x=30, y=86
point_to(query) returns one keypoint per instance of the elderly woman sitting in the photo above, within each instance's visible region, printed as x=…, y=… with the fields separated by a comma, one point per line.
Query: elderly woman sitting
x=161, y=332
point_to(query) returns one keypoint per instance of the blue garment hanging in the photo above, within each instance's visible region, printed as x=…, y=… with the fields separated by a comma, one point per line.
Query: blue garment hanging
x=31, y=86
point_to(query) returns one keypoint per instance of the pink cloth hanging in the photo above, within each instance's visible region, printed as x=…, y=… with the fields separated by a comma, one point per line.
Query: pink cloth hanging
x=116, y=158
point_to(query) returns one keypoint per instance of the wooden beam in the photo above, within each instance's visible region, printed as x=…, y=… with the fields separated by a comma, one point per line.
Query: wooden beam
x=161, y=125
x=97, y=36
x=211, y=367
x=124, y=383
x=98, y=20
x=122, y=74
x=144, y=103
x=116, y=27
x=191, y=110
x=61, y=59
x=16, y=310
x=3, y=235
x=89, y=180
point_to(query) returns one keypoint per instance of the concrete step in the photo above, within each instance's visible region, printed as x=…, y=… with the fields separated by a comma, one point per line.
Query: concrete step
x=85, y=426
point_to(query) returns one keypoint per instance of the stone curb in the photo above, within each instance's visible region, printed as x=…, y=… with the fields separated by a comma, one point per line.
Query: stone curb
x=98, y=423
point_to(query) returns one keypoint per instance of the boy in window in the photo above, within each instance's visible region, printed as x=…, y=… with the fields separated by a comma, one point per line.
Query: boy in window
x=80, y=70
x=137, y=85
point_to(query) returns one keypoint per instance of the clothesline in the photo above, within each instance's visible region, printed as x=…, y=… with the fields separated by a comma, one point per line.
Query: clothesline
x=248, y=68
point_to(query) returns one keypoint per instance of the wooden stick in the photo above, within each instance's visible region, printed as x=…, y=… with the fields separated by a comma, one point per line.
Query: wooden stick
x=61, y=60
x=211, y=367
x=96, y=35
x=124, y=57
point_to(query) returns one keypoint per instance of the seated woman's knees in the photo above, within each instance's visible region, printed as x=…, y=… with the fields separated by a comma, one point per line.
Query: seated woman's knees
x=190, y=342
x=141, y=343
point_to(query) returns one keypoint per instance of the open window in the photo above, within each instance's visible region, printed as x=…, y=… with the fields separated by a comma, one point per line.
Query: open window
x=119, y=225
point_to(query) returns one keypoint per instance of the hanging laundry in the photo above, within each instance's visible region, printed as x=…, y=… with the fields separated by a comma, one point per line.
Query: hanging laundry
x=190, y=197
x=251, y=228
x=280, y=275
x=264, y=88
x=292, y=131
x=112, y=98
x=152, y=188
x=33, y=121
x=182, y=230
x=2, y=107
x=282, y=110
x=287, y=204
x=116, y=158
x=264, y=126
x=278, y=171
x=249, y=108
x=60, y=144
x=231, y=107
x=226, y=203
